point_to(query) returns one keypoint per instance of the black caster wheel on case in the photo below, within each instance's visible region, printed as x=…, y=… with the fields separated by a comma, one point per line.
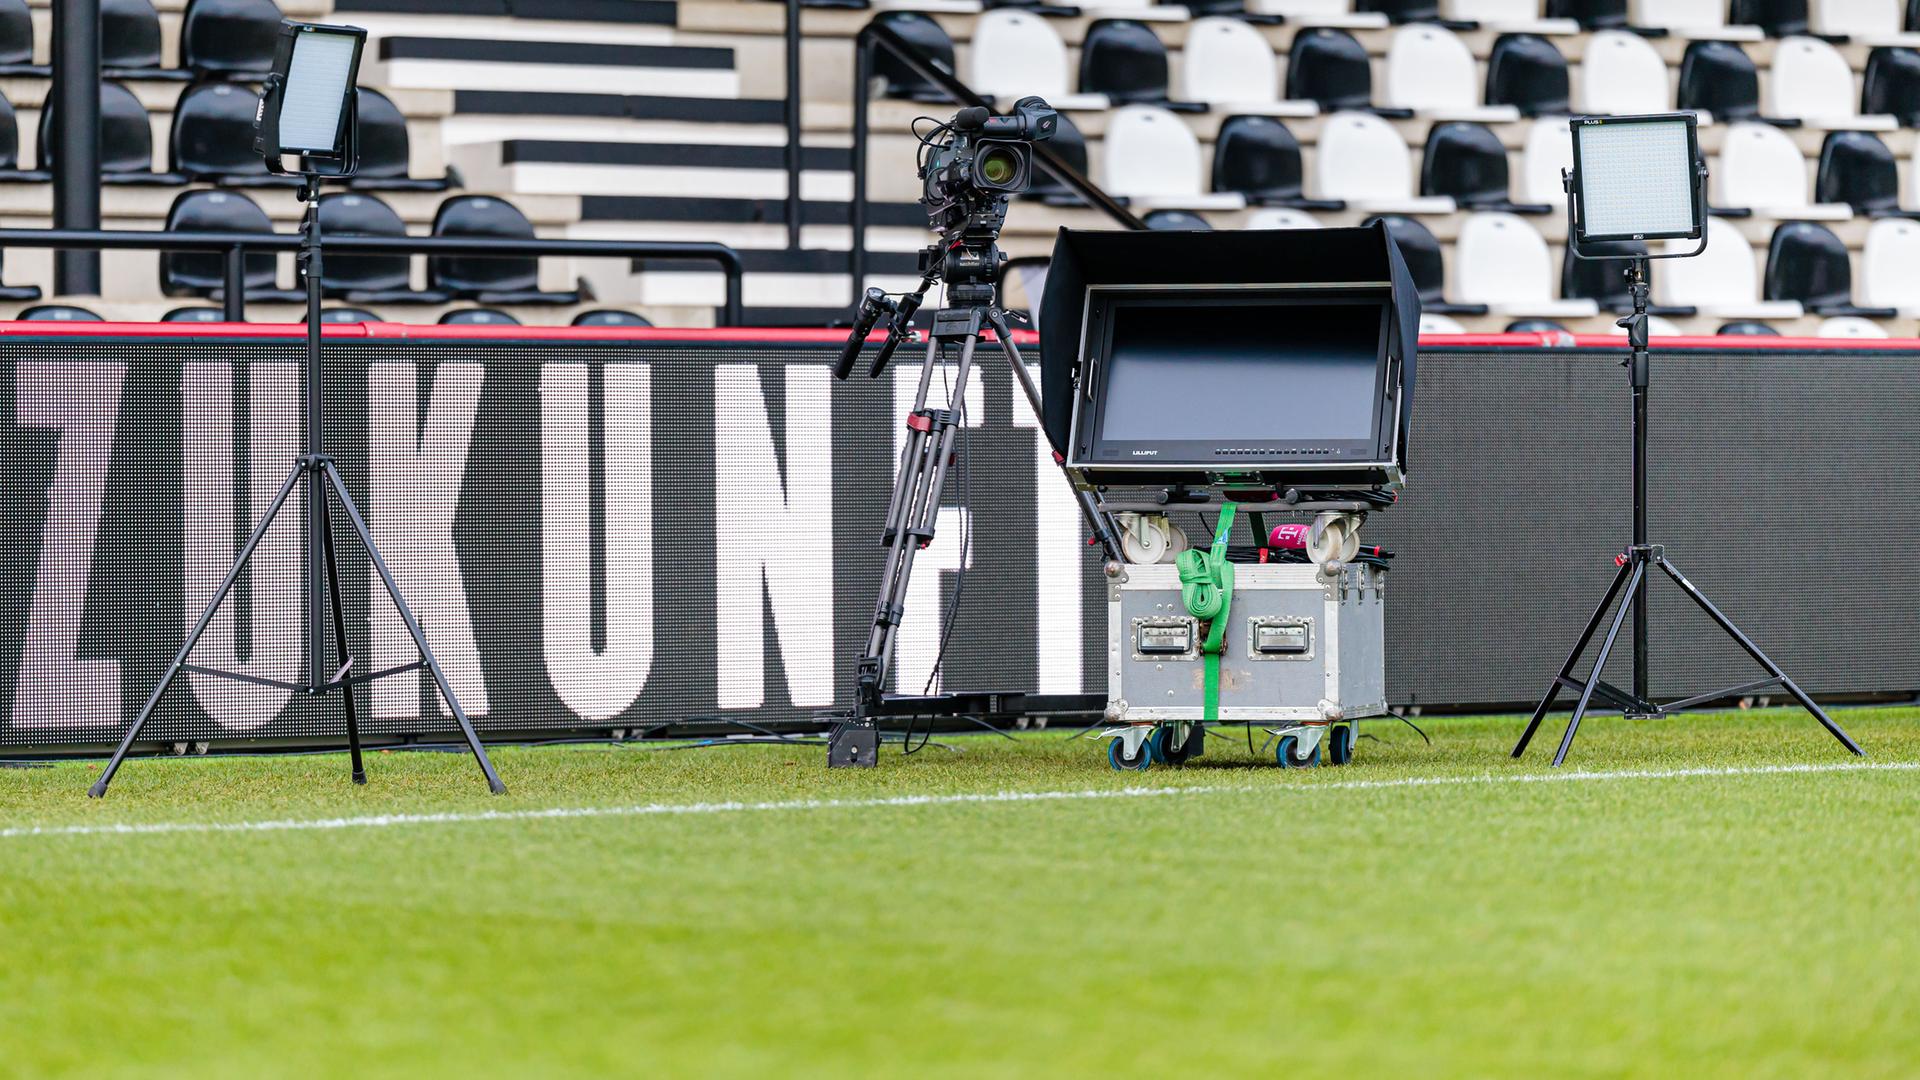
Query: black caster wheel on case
x=1117, y=756
x=1287, y=752
x=1340, y=745
x=1165, y=751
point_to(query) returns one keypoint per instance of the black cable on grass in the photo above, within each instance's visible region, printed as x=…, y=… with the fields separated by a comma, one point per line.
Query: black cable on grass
x=1411, y=724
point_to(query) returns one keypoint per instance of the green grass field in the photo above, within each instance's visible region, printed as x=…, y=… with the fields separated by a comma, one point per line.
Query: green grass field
x=1422, y=912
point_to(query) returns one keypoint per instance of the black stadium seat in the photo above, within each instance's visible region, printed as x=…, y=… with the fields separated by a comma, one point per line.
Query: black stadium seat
x=16, y=41
x=1856, y=168
x=126, y=140
x=130, y=41
x=231, y=39
x=1402, y=11
x=1422, y=253
x=1123, y=59
x=1329, y=68
x=58, y=313
x=1720, y=78
x=931, y=42
x=1176, y=221
x=1070, y=145
x=1467, y=163
x=1808, y=263
x=488, y=280
x=1534, y=326
x=194, y=315
x=345, y=315
x=368, y=279
x=194, y=273
x=609, y=317
x=1590, y=14
x=1601, y=280
x=1528, y=73
x=1891, y=86
x=1913, y=16
x=1748, y=328
x=478, y=317
x=1779, y=18
x=212, y=136
x=1257, y=156
x=10, y=170
x=19, y=292
x=385, y=154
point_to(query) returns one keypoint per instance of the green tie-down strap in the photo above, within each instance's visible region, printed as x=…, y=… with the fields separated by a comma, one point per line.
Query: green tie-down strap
x=1206, y=584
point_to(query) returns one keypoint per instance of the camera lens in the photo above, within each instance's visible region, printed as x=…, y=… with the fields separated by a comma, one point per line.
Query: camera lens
x=999, y=166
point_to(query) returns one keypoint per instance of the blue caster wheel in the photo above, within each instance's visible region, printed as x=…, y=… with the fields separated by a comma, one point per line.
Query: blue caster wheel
x=1287, y=751
x=1117, y=757
x=1340, y=745
x=1162, y=747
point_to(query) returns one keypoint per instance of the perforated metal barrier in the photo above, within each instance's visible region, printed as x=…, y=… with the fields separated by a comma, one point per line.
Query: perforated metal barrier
x=604, y=532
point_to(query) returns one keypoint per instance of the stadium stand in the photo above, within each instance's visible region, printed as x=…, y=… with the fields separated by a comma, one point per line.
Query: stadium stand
x=665, y=121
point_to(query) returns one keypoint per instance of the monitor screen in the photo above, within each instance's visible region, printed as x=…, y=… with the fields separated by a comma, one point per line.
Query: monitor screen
x=1230, y=374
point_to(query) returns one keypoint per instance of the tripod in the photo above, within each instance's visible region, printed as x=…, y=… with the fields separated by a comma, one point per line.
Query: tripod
x=1633, y=570
x=322, y=476
x=915, y=505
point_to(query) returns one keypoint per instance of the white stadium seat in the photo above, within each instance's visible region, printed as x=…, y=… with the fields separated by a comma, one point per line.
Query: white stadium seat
x=1363, y=160
x=1621, y=74
x=1015, y=53
x=1761, y=169
x=1152, y=158
x=1439, y=324
x=1870, y=22
x=1502, y=262
x=1506, y=16
x=1281, y=217
x=1890, y=266
x=1810, y=81
x=1851, y=326
x=1431, y=71
x=1227, y=62
x=1690, y=18
x=1319, y=13
x=1548, y=150
x=1722, y=281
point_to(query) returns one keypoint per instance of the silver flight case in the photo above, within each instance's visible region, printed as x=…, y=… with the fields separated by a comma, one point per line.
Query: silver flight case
x=1302, y=647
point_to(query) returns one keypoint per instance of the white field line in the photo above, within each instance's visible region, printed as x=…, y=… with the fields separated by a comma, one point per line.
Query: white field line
x=381, y=821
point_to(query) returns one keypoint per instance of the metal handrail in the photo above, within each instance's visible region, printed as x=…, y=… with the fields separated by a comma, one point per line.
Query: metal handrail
x=877, y=35
x=235, y=246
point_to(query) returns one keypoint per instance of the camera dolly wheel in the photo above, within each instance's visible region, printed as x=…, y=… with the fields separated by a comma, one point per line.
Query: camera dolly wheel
x=1287, y=752
x=1340, y=744
x=1140, y=760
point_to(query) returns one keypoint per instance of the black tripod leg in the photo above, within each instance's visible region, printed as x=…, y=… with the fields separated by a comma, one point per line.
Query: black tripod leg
x=1759, y=657
x=413, y=628
x=99, y=787
x=340, y=641
x=1634, y=581
x=1573, y=658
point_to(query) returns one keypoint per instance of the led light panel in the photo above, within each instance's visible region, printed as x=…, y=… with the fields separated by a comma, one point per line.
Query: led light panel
x=1635, y=178
x=318, y=82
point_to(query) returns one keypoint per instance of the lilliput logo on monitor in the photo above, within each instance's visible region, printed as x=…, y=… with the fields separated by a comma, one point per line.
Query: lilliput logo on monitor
x=1145, y=453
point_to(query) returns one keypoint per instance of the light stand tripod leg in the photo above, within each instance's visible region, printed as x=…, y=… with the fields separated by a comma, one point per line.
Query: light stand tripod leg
x=99, y=787
x=1634, y=581
x=1573, y=658
x=413, y=628
x=340, y=638
x=1759, y=657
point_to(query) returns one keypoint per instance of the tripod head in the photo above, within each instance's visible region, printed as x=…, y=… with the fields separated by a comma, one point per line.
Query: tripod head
x=969, y=167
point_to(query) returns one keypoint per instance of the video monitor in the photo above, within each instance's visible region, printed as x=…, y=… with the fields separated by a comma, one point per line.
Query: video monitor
x=1225, y=383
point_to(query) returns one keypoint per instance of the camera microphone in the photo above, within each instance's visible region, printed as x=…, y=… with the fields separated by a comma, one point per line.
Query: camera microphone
x=972, y=119
x=872, y=306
